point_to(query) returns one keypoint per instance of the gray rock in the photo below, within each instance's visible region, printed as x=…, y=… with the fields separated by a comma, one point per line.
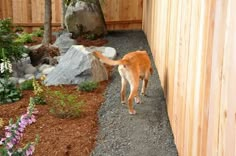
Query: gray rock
x=57, y=58
x=14, y=79
x=106, y=51
x=83, y=17
x=35, y=47
x=38, y=75
x=29, y=76
x=29, y=69
x=76, y=66
x=44, y=66
x=21, y=80
x=48, y=70
x=64, y=42
x=19, y=67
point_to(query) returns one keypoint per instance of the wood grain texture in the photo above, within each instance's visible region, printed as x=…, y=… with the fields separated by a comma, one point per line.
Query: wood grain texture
x=193, y=44
x=119, y=14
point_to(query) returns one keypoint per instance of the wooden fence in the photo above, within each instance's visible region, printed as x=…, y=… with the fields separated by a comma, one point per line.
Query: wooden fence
x=119, y=14
x=194, y=46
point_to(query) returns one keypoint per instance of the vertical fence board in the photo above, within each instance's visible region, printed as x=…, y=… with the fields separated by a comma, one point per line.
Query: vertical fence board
x=194, y=47
x=119, y=14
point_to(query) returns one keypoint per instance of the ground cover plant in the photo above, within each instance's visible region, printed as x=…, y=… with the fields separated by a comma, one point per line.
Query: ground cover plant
x=62, y=104
x=88, y=86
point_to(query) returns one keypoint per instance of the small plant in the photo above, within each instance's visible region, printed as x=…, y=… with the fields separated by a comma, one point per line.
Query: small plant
x=8, y=90
x=37, y=33
x=88, y=86
x=39, y=97
x=14, y=132
x=14, y=50
x=63, y=105
x=19, y=29
x=24, y=38
x=1, y=122
x=27, y=85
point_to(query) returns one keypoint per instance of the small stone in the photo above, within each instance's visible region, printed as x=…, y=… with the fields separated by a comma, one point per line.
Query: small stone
x=106, y=51
x=29, y=76
x=46, y=71
x=21, y=80
x=29, y=69
x=44, y=66
x=14, y=79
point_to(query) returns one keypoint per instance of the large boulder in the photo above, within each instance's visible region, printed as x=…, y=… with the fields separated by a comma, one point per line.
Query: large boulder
x=76, y=66
x=85, y=17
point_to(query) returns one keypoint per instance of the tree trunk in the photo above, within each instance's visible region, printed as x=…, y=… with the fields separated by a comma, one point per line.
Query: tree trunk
x=47, y=23
x=63, y=8
x=101, y=12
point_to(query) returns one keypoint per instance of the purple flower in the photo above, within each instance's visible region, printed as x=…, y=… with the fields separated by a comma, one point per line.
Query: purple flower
x=20, y=129
x=14, y=132
x=24, y=116
x=17, y=133
x=33, y=118
x=30, y=150
x=2, y=140
x=35, y=111
x=9, y=145
x=8, y=134
x=7, y=128
x=23, y=123
x=13, y=126
x=17, y=137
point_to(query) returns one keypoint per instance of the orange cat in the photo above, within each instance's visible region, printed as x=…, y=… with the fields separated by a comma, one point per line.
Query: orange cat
x=132, y=67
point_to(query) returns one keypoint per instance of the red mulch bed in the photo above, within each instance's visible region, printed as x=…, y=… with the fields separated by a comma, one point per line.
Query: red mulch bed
x=86, y=42
x=60, y=137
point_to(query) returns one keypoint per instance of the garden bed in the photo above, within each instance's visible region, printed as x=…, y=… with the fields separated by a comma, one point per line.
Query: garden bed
x=60, y=136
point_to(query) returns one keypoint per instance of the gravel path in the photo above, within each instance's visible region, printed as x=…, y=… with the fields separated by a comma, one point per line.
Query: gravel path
x=147, y=133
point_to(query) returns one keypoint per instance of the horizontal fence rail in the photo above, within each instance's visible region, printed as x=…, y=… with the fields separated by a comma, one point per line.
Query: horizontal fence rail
x=119, y=14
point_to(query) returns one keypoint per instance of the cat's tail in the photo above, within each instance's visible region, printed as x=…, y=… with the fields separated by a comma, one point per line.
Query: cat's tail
x=107, y=60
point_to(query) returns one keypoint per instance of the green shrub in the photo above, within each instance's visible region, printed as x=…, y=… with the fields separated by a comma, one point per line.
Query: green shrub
x=37, y=33
x=39, y=100
x=8, y=92
x=19, y=29
x=88, y=86
x=27, y=85
x=14, y=50
x=63, y=105
x=24, y=38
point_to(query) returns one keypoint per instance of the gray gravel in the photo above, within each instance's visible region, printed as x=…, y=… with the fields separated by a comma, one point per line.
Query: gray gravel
x=147, y=133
